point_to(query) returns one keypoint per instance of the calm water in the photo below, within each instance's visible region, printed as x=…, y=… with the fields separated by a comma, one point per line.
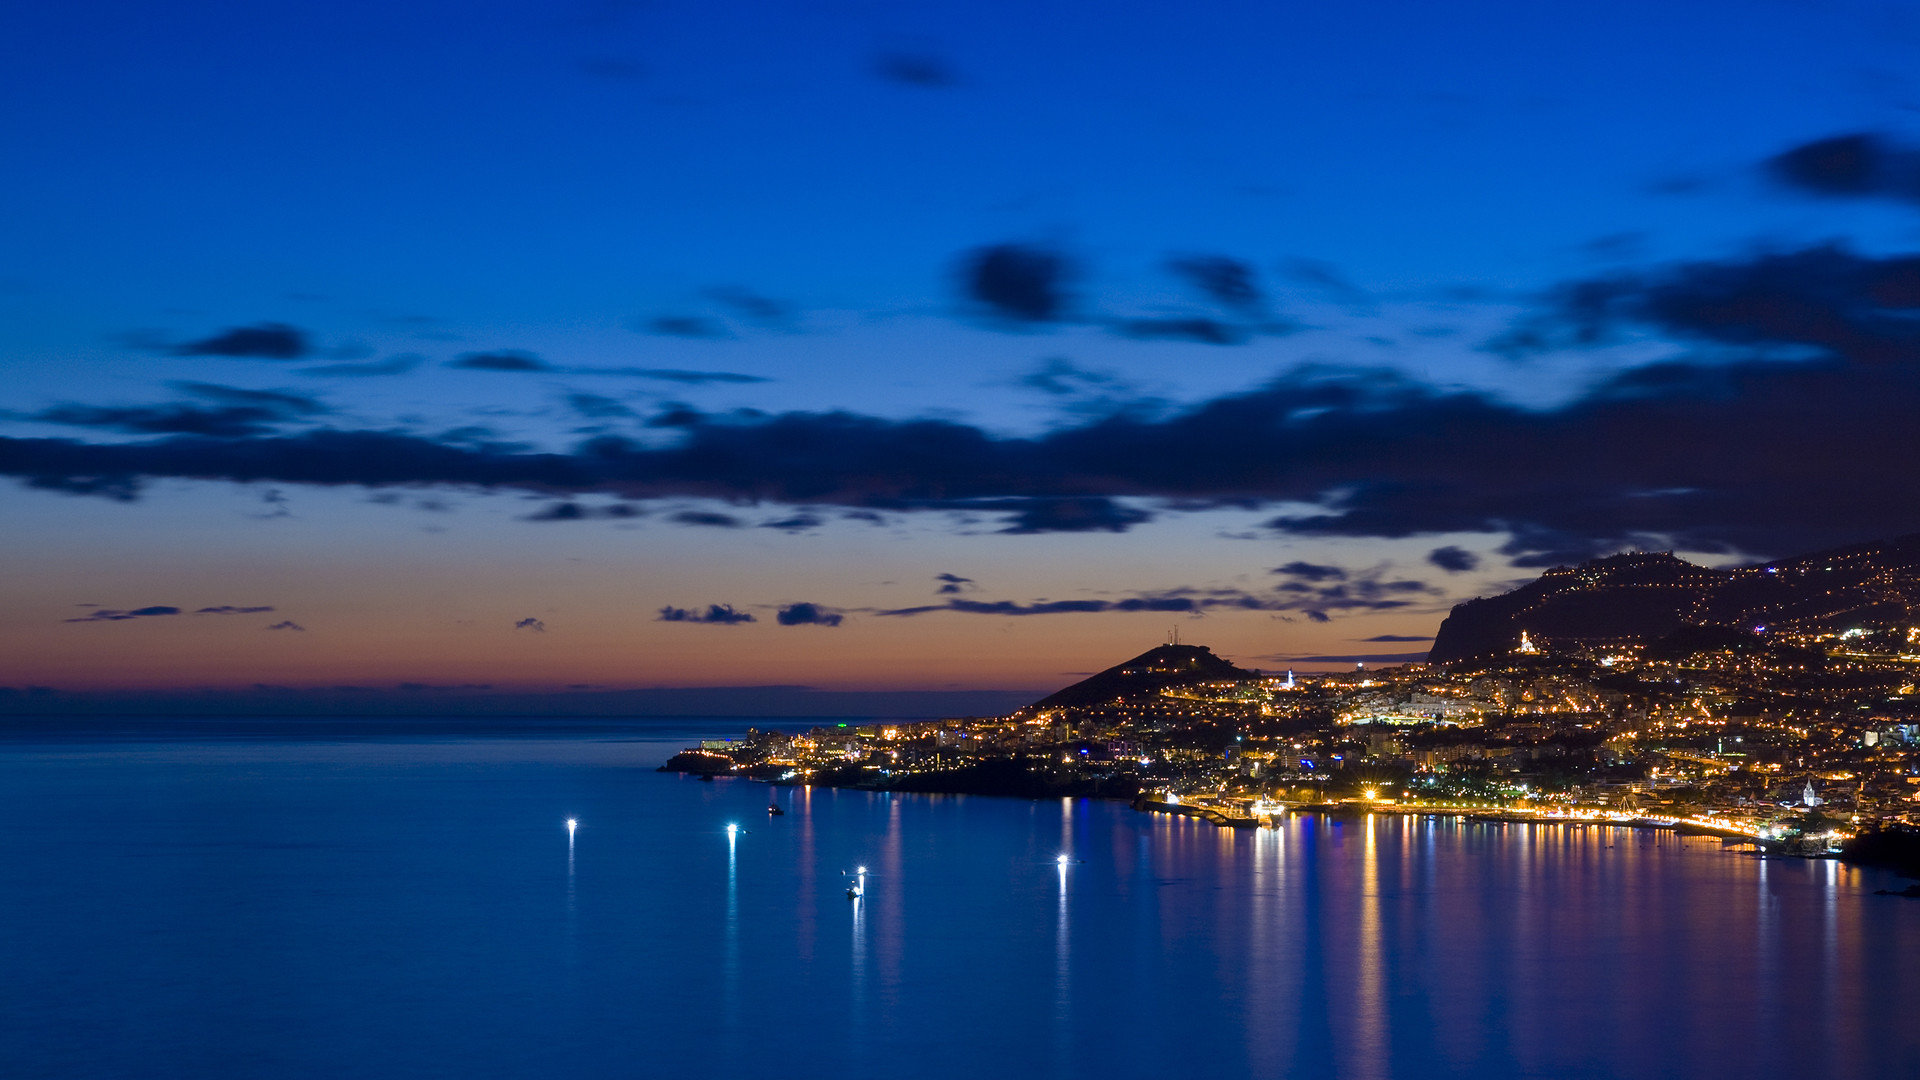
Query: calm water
x=381, y=900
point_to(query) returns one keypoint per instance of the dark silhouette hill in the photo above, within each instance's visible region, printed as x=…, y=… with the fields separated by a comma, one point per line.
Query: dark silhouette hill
x=1147, y=674
x=1642, y=597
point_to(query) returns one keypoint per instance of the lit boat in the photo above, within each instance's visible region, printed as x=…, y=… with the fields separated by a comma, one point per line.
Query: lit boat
x=775, y=811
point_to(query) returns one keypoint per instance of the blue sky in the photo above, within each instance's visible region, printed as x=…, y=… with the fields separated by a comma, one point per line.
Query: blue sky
x=624, y=193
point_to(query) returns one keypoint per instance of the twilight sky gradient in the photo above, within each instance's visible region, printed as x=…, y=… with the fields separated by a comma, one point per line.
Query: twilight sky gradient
x=920, y=346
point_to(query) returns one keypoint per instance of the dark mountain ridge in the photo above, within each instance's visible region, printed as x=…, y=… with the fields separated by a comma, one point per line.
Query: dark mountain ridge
x=1639, y=597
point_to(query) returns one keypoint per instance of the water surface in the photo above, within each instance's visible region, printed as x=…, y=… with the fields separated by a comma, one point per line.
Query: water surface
x=380, y=899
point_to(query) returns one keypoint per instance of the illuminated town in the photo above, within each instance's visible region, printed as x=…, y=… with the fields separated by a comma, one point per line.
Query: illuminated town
x=1795, y=736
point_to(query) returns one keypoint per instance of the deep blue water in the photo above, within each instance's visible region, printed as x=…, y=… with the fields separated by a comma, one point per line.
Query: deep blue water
x=389, y=899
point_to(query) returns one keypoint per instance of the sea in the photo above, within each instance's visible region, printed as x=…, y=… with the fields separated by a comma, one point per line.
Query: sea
x=403, y=898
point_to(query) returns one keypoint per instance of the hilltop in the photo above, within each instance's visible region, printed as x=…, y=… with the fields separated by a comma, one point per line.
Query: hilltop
x=1640, y=597
x=1146, y=675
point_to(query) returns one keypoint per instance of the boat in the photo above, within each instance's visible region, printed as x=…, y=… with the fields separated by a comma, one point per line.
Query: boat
x=775, y=811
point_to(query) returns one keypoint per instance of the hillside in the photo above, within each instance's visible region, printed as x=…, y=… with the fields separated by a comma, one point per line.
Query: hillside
x=1643, y=596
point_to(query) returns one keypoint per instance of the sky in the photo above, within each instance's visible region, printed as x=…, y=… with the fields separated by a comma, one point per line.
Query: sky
x=572, y=347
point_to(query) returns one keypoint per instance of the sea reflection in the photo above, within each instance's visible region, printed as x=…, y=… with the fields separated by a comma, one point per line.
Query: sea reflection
x=394, y=904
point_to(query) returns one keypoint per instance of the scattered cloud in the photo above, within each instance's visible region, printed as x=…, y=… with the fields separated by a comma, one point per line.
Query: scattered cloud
x=716, y=614
x=397, y=364
x=1316, y=603
x=1227, y=281
x=1017, y=284
x=686, y=326
x=954, y=583
x=1857, y=165
x=804, y=614
x=707, y=518
x=530, y=623
x=1327, y=280
x=288, y=624
x=1399, y=637
x=1306, y=571
x=229, y=609
x=794, y=523
x=512, y=360
x=1319, y=590
x=108, y=615
x=232, y=412
x=1202, y=331
x=570, y=511
x=751, y=307
x=1061, y=377
x=598, y=407
x=262, y=341
x=521, y=362
x=1453, y=559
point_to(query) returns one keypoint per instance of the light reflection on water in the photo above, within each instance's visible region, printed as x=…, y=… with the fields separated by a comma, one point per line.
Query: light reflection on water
x=400, y=908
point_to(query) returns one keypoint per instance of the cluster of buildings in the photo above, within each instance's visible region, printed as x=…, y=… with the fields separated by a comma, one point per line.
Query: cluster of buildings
x=1799, y=737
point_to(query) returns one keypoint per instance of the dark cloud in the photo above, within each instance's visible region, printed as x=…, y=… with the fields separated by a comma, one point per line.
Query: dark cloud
x=530, y=623
x=513, y=360
x=106, y=615
x=1183, y=328
x=954, y=583
x=1827, y=299
x=1306, y=571
x=1850, y=166
x=597, y=407
x=1170, y=601
x=1228, y=281
x=922, y=70
x=794, y=523
x=716, y=614
x=1785, y=430
x=288, y=624
x=1453, y=560
x=804, y=614
x=1065, y=515
x=706, y=518
x=571, y=511
x=1318, y=590
x=234, y=413
x=398, y=364
x=751, y=307
x=264, y=341
x=1399, y=637
x=1017, y=283
x=686, y=326
x=229, y=609
x=176, y=419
